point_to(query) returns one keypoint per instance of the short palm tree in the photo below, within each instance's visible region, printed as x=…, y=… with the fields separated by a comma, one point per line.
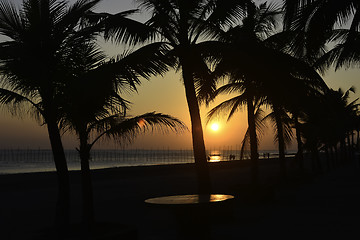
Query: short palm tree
x=246, y=98
x=283, y=132
x=38, y=38
x=91, y=105
x=332, y=111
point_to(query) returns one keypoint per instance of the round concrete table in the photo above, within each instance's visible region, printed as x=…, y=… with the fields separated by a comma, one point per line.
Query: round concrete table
x=194, y=213
x=193, y=199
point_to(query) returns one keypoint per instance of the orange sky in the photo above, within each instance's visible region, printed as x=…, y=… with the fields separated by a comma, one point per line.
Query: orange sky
x=162, y=94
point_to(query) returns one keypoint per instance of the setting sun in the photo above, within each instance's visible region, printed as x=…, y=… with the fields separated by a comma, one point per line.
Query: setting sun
x=215, y=127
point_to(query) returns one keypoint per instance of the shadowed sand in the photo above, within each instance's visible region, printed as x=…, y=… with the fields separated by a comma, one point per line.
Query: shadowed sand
x=309, y=207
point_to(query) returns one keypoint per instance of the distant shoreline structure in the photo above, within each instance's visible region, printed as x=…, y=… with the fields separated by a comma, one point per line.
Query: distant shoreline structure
x=14, y=161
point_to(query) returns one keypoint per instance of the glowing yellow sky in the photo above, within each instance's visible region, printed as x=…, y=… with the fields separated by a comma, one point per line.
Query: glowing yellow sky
x=161, y=94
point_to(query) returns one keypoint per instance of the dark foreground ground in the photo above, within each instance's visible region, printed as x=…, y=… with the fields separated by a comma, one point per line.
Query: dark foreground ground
x=306, y=207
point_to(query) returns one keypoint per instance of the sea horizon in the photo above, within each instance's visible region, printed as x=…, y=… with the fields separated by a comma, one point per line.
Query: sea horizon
x=14, y=161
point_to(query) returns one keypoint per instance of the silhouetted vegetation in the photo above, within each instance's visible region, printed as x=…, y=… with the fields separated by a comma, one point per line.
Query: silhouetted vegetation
x=269, y=55
x=93, y=108
x=40, y=36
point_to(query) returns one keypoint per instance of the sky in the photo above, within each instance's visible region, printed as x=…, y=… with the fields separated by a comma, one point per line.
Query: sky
x=161, y=94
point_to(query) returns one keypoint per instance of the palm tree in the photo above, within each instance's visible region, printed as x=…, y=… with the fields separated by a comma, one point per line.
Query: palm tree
x=314, y=21
x=39, y=37
x=255, y=125
x=253, y=46
x=93, y=108
x=328, y=123
x=119, y=127
x=258, y=24
x=283, y=132
x=255, y=42
x=184, y=28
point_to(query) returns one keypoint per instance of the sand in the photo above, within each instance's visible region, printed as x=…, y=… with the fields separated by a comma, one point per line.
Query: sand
x=322, y=206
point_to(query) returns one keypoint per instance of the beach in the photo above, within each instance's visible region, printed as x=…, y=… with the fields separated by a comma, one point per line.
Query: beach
x=322, y=206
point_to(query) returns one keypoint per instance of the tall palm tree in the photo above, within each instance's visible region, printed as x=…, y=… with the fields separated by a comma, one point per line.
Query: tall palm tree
x=93, y=108
x=184, y=28
x=258, y=24
x=39, y=37
x=253, y=46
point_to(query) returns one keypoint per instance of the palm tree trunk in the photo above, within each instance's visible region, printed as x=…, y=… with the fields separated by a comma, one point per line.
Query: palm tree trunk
x=336, y=155
x=343, y=153
x=63, y=201
x=317, y=169
x=281, y=144
x=299, y=154
x=352, y=146
x=201, y=164
x=253, y=141
x=333, y=159
x=328, y=157
x=349, y=150
x=87, y=191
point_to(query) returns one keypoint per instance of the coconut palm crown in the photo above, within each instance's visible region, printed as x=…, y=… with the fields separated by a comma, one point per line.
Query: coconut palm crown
x=185, y=27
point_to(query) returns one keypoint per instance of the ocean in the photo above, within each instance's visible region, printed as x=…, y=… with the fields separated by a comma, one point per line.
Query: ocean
x=14, y=161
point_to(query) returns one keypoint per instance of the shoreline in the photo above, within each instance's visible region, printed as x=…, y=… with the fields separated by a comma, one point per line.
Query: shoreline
x=125, y=166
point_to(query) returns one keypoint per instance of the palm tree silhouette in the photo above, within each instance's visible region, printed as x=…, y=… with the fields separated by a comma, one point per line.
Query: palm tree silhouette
x=93, y=108
x=313, y=22
x=316, y=23
x=184, y=28
x=327, y=124
x=259, y=23
x=39, y=37
x=255, y=116
x=253, y=45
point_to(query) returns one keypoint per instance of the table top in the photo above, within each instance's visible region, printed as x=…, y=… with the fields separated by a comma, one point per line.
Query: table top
x=189, y=199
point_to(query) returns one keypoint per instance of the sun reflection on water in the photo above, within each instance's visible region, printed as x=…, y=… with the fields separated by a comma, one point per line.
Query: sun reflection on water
x=214, y=156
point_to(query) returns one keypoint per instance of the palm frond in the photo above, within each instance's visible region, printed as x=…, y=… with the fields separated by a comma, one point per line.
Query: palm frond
x=346, y=52
x=126, y=70
x=225, y=13
x=17, y=103
x=232, y=87
x=164, y=19
x=267, y=19
x=11, y=24
x=259, y=123
x=245, y=144
x=205, y=82
x=293, y=10
x=121, y=29
x=126, y=129
x=285, y=124
x=231, y=106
